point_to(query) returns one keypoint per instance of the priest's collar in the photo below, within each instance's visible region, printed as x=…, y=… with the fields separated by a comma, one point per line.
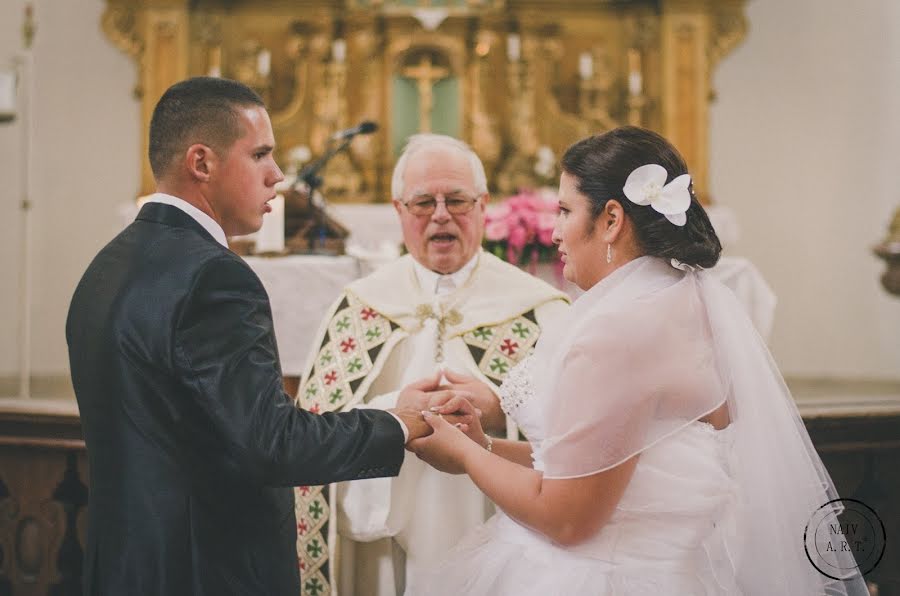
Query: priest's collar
x=435, y=284
x=208, y=223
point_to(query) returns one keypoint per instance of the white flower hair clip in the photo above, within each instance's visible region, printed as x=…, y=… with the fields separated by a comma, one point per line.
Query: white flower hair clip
x=646, y=185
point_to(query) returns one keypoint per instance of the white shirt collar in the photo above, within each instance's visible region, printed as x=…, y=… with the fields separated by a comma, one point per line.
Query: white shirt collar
x=208, y=223
x=436, y=284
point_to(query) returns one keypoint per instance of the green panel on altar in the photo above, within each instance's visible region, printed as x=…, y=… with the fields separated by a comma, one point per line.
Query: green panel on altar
x=405, y=115
x=445, y=117
x=405, y=120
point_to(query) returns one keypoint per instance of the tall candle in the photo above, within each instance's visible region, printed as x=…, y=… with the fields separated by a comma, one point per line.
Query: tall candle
x=585, y=66
x=270, y=237
x=339, y=51
x=215, y=61
x=513, y=47
x=635, y=82
x=264, y=63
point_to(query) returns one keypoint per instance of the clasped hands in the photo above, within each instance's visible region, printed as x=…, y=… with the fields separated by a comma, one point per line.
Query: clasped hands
x=446, y=421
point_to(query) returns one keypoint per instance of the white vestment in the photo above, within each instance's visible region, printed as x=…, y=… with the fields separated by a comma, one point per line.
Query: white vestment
x=479, y=321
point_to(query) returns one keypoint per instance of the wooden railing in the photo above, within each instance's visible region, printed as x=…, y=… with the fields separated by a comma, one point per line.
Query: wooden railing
x=44, y=487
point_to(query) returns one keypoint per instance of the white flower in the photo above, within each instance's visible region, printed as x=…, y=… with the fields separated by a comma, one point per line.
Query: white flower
x=646, y=185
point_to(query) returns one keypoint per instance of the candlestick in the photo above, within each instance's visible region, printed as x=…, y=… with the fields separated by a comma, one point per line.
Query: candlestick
x=586, y=66
x=513, y=47
x=339, y=51
x=264, y=63
x=635, y=81
x=215, y=62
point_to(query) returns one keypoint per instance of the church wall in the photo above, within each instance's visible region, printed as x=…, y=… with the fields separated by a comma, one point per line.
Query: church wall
x=86, y=125
x=805, y=148
x=10, y=196
x=805, y=140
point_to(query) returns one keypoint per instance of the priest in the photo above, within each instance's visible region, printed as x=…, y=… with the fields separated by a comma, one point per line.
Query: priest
x=447, y=312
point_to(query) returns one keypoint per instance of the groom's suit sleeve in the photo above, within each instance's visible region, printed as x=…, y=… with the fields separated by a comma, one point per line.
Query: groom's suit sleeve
x=237, y=415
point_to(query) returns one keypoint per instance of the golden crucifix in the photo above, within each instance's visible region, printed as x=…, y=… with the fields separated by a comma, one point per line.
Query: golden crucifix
x=426, y=75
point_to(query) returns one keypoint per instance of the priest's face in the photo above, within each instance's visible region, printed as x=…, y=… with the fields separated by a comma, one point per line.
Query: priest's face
x=242, y=181
x=441, y=241
x=580, y=244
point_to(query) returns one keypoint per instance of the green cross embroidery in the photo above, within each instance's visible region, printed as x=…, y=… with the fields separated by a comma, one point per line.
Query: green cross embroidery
x=326, y=358
x=354, y=365
x=483, y=333
x=313, y=586
x=373, y=333
x=336, y=395
x=316, y=511
x=314, y=548
x=311, y=390
x=498, y=365
x=343, y=324
x=521, y=330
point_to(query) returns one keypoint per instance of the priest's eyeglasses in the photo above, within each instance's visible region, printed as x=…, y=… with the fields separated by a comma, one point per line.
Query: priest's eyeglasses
x=455, y=204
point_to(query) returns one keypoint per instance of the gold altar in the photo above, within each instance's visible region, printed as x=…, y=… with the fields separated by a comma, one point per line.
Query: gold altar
x=517, y=79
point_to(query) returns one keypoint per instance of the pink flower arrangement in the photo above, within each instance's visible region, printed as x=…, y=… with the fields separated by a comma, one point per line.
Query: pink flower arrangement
x=520, y=228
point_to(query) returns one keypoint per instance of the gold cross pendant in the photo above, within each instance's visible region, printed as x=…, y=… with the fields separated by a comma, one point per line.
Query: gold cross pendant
x=425, y=311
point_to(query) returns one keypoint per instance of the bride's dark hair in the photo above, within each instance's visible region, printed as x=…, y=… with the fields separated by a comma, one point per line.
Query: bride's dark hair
x=601, y=164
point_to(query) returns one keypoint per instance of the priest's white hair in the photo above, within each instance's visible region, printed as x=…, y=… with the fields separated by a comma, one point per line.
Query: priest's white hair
x=434, y=142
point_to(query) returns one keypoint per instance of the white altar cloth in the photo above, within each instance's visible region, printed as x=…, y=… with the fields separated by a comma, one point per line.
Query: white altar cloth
x=301, y=288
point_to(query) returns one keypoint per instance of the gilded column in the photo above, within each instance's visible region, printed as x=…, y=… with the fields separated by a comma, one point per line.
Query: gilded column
x=155, y=34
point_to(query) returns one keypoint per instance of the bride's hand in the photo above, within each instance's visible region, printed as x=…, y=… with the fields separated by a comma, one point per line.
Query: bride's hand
x=445, y=449
x=461, y=405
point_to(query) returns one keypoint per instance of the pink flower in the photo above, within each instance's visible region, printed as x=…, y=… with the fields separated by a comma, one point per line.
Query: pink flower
x=546, y=223
x=496, y=229
x=523, y=221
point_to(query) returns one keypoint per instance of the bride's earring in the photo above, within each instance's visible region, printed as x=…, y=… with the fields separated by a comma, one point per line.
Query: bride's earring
x=609, y=253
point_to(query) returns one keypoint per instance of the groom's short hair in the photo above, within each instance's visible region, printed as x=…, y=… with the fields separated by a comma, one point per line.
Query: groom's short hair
x=197, y=110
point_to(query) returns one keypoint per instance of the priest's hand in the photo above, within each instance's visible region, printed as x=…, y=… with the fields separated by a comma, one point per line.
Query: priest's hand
x=482, y=396
x=415, y=395
x=426, y=392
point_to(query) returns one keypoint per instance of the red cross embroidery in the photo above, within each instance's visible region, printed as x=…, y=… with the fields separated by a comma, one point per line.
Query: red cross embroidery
x=303, y=490
x=302, y=527
x=330, y=378
x=368, y=313
x=314, y=409
x=347, y=345
x=302, y=565
x=509, y=346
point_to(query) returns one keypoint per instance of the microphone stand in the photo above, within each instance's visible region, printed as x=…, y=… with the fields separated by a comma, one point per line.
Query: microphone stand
x=310, y=175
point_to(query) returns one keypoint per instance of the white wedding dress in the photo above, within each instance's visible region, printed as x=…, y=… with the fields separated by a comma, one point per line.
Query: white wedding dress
x=662, y=539
x=642, y=357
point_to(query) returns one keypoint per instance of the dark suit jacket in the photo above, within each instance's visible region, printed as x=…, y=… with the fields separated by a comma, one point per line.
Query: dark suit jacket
x=192, y=443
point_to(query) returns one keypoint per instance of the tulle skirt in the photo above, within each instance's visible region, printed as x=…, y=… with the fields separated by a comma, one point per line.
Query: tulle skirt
x=502, y=558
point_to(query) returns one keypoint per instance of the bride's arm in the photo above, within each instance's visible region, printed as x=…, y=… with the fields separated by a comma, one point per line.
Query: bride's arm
x=567, y=511
x=515, y=451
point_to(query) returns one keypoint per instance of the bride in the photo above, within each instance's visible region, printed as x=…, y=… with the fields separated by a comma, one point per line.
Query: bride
x=664, y=455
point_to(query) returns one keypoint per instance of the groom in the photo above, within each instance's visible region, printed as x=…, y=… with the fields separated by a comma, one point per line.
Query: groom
x=191, y=441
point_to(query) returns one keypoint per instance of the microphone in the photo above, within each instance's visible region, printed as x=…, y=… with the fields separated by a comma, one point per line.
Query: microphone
x=365, y=128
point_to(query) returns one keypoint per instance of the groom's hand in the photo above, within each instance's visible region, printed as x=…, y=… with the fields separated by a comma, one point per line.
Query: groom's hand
x=414, y=422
